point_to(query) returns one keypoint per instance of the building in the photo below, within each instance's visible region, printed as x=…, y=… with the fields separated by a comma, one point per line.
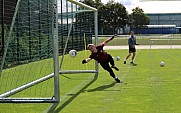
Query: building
x=162, y=23
x=165, y=19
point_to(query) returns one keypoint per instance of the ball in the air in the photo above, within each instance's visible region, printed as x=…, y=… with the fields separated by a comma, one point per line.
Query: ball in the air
x=162, y=64
x=117, y=58
x=73, y=53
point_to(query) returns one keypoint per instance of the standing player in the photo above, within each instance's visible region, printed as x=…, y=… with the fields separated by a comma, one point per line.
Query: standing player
x=131, y=42
x=98, y=54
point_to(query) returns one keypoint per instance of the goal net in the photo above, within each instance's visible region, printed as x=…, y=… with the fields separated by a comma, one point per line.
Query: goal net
x=37, y=44
x=76, y=30
x=77, y=26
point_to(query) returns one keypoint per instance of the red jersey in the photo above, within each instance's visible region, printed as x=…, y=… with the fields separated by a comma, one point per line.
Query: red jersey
x=101, y=56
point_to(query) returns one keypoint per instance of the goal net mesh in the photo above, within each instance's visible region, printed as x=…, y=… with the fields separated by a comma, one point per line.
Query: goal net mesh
x=27, y=55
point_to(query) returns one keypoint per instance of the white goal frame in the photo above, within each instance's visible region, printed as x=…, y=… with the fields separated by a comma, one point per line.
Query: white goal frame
x=4, y=98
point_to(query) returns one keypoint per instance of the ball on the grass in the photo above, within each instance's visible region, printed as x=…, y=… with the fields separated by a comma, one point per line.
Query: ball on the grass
x=117, y=58
x=162, y=64
x=73, y=53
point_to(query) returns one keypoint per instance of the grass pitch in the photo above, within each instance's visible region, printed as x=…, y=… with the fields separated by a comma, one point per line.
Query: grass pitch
x=146, y=87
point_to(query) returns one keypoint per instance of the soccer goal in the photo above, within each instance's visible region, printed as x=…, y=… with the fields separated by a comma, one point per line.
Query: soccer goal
x=36, y=50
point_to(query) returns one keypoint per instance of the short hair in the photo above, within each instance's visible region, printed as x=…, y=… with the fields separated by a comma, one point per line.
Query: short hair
x=89, y=45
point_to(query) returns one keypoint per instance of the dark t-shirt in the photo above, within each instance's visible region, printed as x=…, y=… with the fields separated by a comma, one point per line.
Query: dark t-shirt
x=101, y=56
x=132, y=42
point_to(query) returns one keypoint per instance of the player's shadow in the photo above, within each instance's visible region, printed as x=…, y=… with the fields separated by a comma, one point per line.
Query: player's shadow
x=134, y=64
x=58, y=110
x=102, y=88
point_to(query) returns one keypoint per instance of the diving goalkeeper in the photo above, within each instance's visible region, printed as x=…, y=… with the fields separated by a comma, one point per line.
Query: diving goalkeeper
x=102, y=57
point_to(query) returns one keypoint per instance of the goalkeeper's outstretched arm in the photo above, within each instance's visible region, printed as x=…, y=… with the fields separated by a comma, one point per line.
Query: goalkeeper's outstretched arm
x=86, y=60
x=106, y=41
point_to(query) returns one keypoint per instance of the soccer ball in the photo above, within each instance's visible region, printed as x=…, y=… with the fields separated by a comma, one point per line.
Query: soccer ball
x=73, y=53
x=162, y=64
x=117, y=58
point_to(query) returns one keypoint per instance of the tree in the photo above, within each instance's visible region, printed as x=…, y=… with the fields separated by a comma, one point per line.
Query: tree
x=89, y=2
x=111, y=16
x=96, y=4
x=138, y=19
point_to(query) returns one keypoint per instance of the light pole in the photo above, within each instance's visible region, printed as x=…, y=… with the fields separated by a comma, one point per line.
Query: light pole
x=173, y=21
x=173, y=26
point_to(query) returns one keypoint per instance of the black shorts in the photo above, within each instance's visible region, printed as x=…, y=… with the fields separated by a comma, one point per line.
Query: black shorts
x=131, y=50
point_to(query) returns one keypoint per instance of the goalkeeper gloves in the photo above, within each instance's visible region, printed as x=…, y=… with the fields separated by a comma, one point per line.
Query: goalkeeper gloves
x=84, y=61
x=112, y=37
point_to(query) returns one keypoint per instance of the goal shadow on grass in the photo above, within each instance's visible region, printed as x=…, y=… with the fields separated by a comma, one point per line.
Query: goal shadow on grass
x=57, y=110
